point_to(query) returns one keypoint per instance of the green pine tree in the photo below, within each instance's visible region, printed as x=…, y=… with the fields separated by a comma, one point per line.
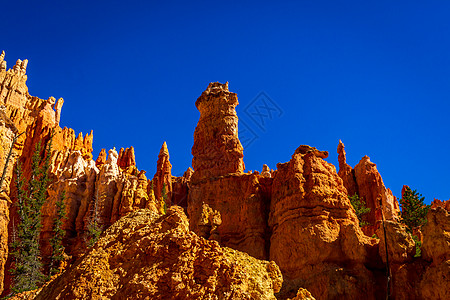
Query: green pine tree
x=414, y=210
x=94, y=229
x=27, y=266
x=58, y=254
x=360, y=209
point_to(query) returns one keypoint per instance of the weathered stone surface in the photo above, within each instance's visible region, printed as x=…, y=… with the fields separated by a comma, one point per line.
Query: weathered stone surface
x=145, y=256
x=217, y=150
x=436, y=236
x=101, y=159
x=315, y=231
x=266, y=172
x=126, y=158
x=435, y=282
x=365, y=181
x=243, y=209
x=116, y=182
x=7, y=135
x=439, y=203
x=303, y=294
x=401, y=246
x=373, y=192
x=180, y=189
x=218, y=180
x=163, y=176
x=346, y=172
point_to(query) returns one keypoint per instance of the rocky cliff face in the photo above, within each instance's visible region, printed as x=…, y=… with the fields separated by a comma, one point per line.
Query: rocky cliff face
x=217, y=150
x=148, y=256
x=299, y=216
x=365, y=181
x=315, y=239
x=112, y=186
x=219, y=190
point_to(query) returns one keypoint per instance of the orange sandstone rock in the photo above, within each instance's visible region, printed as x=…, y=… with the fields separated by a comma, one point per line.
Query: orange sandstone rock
x=126, y=158
x=315, y=234
x=217, y=150
x=346, y=172
x=101, y=159
x=163, y=176
x=147, y=256
x=366, y=182
x=438, y=203
x=218, y=183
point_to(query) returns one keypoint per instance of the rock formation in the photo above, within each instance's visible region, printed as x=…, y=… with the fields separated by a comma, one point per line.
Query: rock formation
x=299, y=216
x=163, y=176
x=365, y=181
x=217, y=150
x=116, y=183
x=180, y=188
x=219, y=183
x=438, y=203
x=315, y=232
x=126, y=158
x=145, y=256
x=436, y=250
x=346, y=172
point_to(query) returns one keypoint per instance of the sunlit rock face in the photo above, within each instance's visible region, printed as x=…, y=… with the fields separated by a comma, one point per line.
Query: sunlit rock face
x=149, y=256
x=366, y=182
x=316, y=239
x=217, y=150
x=116, y=183
x=218, y=180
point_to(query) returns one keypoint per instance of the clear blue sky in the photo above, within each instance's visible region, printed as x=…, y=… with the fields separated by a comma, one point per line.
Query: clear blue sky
x=375, y=74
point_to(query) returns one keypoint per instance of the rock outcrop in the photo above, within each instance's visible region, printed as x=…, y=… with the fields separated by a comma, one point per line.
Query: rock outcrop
x=439, y=203
x=436, y=250
x=148, y=256
x=8, y=134
x=116, y=184
x=218, y=181
x=365, y=181
x=217, y=150
x=163, y=177
x=346, y=172
x=298, y=216
x=316, y=239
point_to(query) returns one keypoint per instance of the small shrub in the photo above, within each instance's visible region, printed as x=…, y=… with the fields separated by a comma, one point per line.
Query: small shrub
x=418, y=246
x=360, y=209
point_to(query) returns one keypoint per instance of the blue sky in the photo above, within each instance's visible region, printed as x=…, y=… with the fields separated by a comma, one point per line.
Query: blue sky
x=375, y=74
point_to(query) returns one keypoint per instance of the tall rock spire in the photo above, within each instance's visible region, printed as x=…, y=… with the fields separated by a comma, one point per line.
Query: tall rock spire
x=217, y=150
x=163, y=175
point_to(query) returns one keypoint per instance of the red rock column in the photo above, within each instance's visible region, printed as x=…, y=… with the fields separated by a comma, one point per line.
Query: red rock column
x=224, y=203
x=163, y=175
x=217, y=150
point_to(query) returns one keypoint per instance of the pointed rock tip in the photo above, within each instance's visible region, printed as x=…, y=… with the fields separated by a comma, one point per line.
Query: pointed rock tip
x=164, y=150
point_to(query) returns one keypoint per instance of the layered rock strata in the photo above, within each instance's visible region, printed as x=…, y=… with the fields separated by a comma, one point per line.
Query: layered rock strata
x=112, y=187
x=316, y=239
x=217, y=150
x=365, y=181
x=218, y=183
x=163, y=177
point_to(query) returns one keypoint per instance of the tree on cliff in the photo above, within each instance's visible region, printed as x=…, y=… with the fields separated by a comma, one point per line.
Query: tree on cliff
x=27, y=266
x=58, y=254
x=414, y=210
x=360, y=209
x=94, y=229
x=8, y=158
